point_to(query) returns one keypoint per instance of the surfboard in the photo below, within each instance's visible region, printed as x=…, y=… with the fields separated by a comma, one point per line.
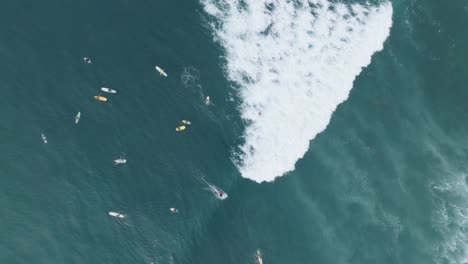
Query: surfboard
x=120, y=161
x=259, y=257
x=100, y=98
x=108, y=90
x=114, y=214
x=161, y=71
x=77, y=118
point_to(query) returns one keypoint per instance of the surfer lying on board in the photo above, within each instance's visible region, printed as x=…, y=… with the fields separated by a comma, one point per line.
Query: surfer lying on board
x=117, y=215
x=218, y=193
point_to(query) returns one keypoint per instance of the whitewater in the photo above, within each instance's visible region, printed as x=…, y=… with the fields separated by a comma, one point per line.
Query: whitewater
x=292, y=63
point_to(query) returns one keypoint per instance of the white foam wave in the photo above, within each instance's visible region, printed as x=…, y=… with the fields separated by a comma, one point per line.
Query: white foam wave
x=294, y=62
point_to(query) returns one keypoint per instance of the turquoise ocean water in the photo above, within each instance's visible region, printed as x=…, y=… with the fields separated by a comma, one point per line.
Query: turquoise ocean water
x=385, y=182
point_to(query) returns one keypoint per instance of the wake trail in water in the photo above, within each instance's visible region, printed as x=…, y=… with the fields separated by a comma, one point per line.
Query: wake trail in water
x=190, y=78
x=293, y=62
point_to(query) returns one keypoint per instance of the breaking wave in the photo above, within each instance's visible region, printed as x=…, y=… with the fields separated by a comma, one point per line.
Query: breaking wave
x=294, y=62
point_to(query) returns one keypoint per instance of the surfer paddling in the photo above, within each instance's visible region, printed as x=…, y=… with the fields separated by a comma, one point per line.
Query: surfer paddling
x=116, y=215
x=259, y=257
x=218, y=193
x=161, y=71
x=120, y=161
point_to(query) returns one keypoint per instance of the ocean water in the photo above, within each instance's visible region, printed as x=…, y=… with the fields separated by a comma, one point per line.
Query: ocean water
x=336, y=127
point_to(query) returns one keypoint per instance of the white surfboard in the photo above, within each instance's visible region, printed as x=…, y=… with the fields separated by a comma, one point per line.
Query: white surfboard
x=161, y=71
x=259, y=257
x=77, y=117
x=120, y=161
x=114, y=214
x=218, y=193
x=108, y=90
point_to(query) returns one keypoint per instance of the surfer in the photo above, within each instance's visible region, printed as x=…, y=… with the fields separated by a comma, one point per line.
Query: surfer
x=186, y=122
x=174, y=210
x=218, y=193
x=207, y=100
x=117, y=215
x=108, y=90
x=120, y=161
x=259, y=257
x=87, y=60
x=161, y=71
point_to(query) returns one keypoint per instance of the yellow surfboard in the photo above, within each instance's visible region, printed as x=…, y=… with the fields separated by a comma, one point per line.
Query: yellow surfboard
x=100, y=98
x=180, y=128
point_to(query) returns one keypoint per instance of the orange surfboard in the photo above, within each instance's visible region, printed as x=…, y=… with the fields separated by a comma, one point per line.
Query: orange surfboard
x=100, y=98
